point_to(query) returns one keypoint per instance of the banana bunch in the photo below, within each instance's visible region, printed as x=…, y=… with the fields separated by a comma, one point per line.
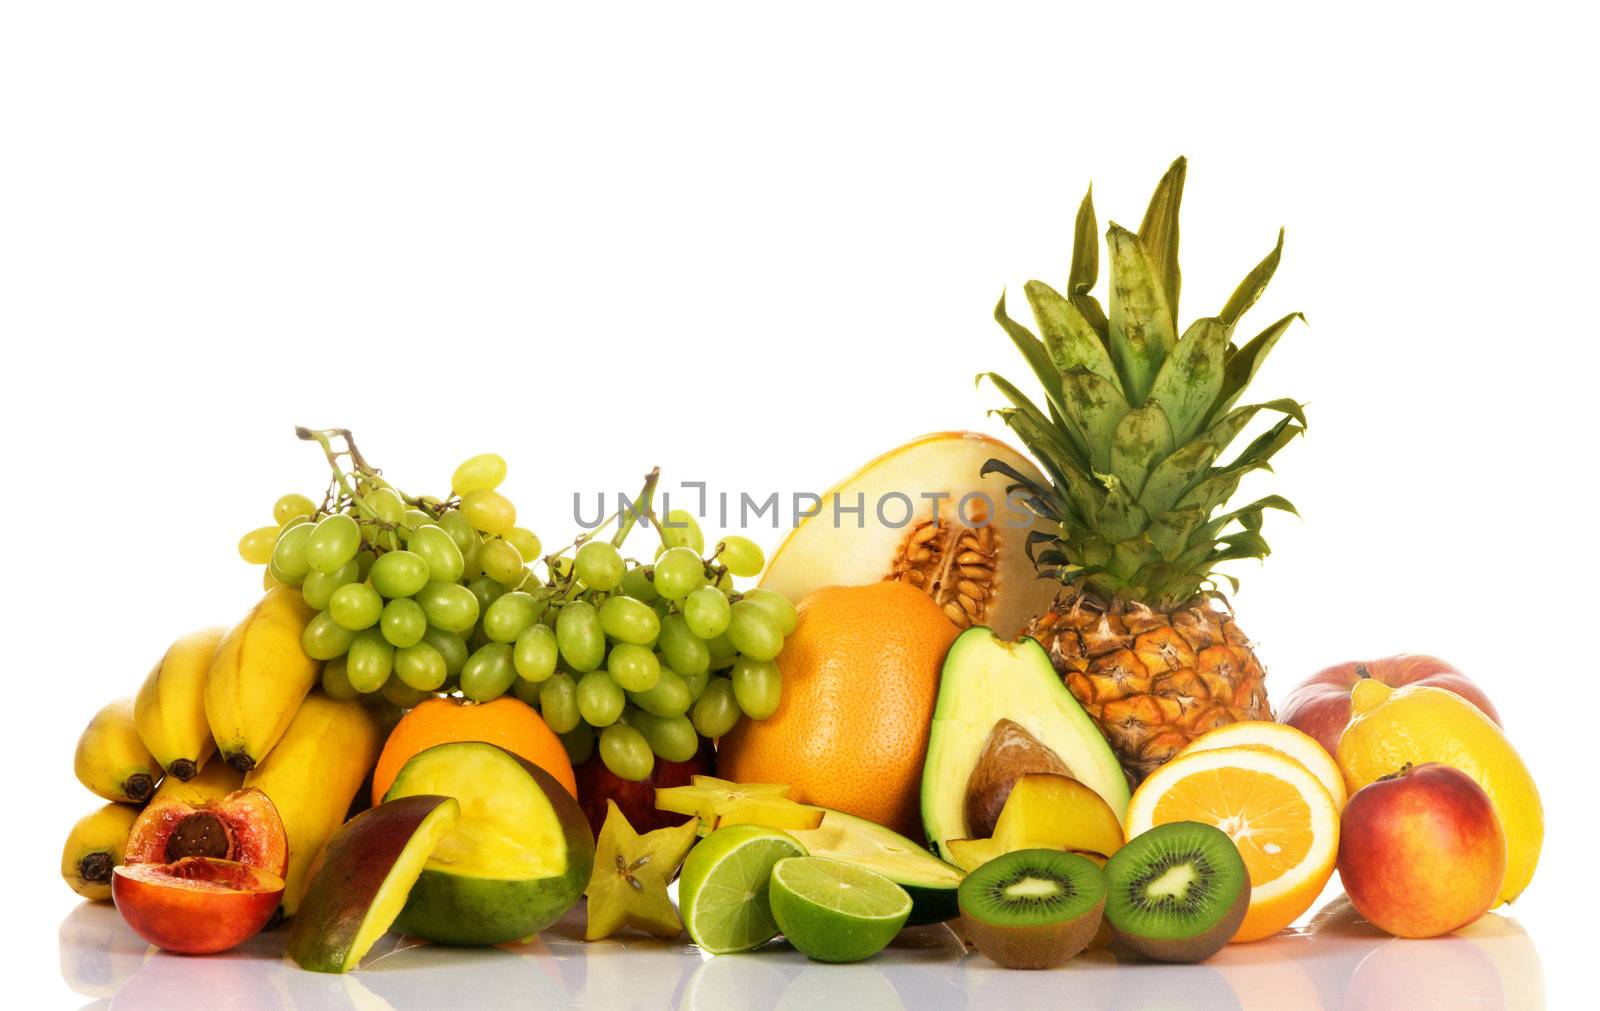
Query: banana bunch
x=258, y=678
x=112, y=761
x=94, y=847
x=170, y=710
x=313, y=774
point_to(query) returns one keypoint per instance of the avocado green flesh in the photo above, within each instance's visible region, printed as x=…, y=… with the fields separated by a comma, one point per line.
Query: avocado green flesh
x=986, y=679
x=929, y=881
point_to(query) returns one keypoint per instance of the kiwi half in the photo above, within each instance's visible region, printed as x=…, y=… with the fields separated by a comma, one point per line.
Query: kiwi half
x=1033, y=909
x=1177, y=893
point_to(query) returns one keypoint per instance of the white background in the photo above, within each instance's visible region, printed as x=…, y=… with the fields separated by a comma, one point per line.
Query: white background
x=757, y=248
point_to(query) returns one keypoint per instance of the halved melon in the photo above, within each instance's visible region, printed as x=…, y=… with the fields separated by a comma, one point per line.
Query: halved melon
x=928, y=518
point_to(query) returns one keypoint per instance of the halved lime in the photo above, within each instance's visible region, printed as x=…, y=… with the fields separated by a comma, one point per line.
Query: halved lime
x=834, y=911
x=722, y=891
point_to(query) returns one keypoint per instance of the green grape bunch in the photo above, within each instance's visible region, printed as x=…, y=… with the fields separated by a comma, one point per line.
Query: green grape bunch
x=419, y=596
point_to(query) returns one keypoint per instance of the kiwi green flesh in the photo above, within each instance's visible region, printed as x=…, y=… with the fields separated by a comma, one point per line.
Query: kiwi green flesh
x=1033, y=909
x=1177, y=893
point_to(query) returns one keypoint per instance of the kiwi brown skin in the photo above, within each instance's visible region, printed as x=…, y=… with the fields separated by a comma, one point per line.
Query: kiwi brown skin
x=1187, y=949
x=1037, y=946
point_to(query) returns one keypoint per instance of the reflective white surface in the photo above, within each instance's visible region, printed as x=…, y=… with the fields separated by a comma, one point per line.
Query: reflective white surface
x=1331, y=961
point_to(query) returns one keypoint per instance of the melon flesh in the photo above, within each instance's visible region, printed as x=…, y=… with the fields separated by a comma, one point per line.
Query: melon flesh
x=901, y=491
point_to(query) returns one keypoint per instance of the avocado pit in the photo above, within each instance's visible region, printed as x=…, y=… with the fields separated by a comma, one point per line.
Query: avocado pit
x=1009, y=753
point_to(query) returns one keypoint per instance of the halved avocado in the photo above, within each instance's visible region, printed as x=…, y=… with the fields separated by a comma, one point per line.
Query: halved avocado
x=360, y=880
x=519, y=857
x=929, y=881
x=985, y=680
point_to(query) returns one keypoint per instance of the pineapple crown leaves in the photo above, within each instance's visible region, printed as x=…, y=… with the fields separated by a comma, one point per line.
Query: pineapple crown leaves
x=1138, y=414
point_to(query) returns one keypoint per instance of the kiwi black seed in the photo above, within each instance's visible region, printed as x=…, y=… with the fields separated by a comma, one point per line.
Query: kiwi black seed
x=1177, y=893
x=1033, y=909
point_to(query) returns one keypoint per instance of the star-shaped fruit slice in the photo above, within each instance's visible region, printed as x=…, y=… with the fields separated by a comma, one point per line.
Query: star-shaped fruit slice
x=631, y=874
x=720, y=802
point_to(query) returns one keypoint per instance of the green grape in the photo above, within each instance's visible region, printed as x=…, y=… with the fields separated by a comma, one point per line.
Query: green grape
x=636, y=583
x=385, y=504
x=717, y=709
x=579, y=742
x=336, y=681
x=323, y=638
x=399, y=573
x=741, y=556
x=369, y=662
x=488, y=511
x=460, y=531
x=535, y=653
x=725, y=583
x=628, y=620
x=445, y=563
x=267, y=580
x=626, y=753
x=403, y=622
x=450, y=646
x=754, y=632
x=319, y=586
x=777, y=605
x=681, y=530
x=478, y=473
x=600, y=699
x=256, y=546
x=500, y=561
x=672, y=738
x=333, y=541
x=364, y=561
x=678, y=572
x=696, y=682
x=599, y=566
x=707, y=612
x=470, y=564
x=682, y=649
x=290, y=506
x=525, y=690
x=402, y=695
x=510, y=615
x=355, y=606
x=580, y=637
x=412, y=521
x=288, y=564
x=558, y=702
x=757, y=686
x=669, y=697
x=526, y=542
x=635, y=668
x=722, y=651
x=486, y=590
x=489, y=672
x=420, y=666
x=449, y=606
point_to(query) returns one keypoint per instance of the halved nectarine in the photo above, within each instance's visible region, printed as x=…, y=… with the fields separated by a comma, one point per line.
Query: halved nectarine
x=195, y=905
x=243, y=827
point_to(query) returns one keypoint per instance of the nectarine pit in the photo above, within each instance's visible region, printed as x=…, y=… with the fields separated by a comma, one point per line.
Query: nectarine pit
x=201, y=834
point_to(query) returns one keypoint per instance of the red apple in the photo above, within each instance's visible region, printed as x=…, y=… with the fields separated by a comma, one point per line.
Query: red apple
x=1421, y=852
x=195, y=905
x=637, y=799
x=1320, y=706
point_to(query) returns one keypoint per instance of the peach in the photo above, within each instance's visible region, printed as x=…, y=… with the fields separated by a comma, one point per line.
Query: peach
x=1421, y=852
x=195, y=905
x=243, y=827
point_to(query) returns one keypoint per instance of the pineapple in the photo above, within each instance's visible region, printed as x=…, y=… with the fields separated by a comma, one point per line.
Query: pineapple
x=1131, y=435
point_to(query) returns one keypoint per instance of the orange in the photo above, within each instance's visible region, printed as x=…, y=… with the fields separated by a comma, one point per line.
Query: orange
x=860, y=676
x=506, y=722
x=1277, y=812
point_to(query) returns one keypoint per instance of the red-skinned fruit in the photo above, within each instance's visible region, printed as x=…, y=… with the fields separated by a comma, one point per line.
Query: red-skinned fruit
x=1421, y=852
x=243, y=827
x=196, y=905
x=1320, y=706
x=637, y=800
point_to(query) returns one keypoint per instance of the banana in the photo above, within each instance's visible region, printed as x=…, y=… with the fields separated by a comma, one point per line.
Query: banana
x=258, y=678
x=210, y=784
x=93, y=847
x=111, y=760
x=170, y=709
x=312, y=776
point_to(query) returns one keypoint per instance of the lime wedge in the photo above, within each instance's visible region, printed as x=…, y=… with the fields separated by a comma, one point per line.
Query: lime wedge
x=722, y=891
x=834, y=911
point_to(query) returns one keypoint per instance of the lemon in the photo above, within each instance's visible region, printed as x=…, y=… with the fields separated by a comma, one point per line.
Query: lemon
x=1390, y=727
